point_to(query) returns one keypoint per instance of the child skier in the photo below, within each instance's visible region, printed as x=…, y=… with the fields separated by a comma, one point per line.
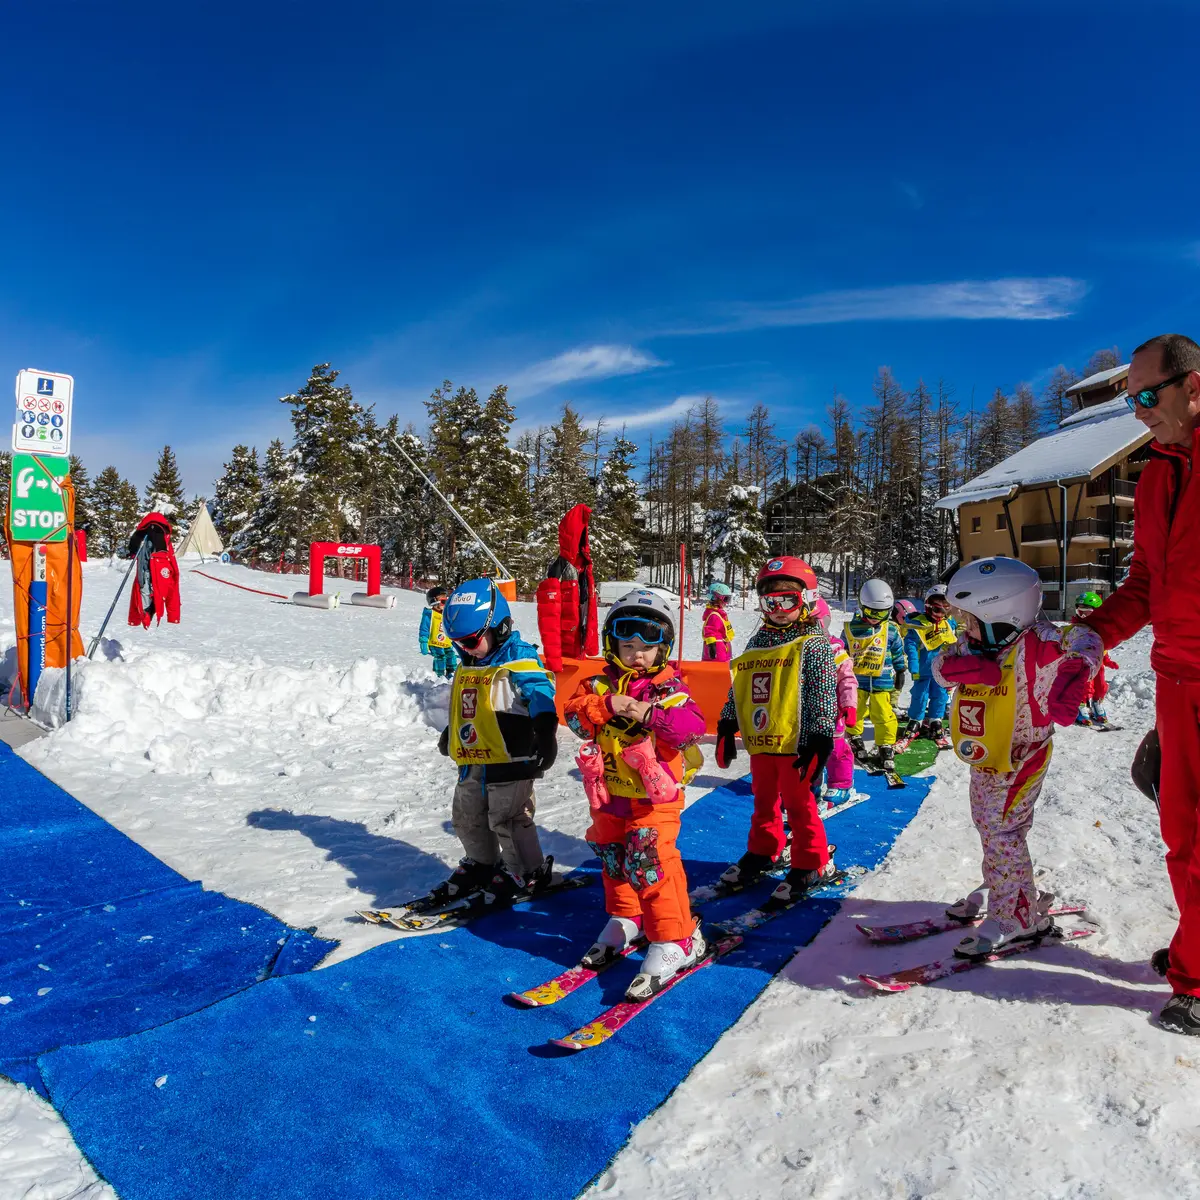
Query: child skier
x=875, y=646
x=839, y=770
x=1092, y=710
x=1017, y=675
x=928, y=634
x=784, y=700
x=432, y=635
x=641, y=726
x=718, y=632
x=503, y=734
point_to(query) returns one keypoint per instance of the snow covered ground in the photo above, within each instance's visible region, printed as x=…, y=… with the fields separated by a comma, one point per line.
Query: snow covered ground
x=287, y=756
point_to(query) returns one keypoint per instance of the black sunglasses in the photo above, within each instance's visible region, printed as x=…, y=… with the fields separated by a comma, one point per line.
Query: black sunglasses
x=1148, y=397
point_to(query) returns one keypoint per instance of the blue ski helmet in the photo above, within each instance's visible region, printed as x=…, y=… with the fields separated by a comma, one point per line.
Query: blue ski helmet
x=719, y=591
x=474, y=606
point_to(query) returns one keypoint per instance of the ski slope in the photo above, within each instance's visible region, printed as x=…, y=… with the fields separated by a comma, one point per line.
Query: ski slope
x=287, y=757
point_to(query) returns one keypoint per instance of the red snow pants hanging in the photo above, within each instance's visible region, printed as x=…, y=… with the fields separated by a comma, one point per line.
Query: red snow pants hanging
x=778, y=788
x=1179, y=798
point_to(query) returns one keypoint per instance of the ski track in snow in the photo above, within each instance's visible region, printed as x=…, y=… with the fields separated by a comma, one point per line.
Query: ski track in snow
x=287, y=757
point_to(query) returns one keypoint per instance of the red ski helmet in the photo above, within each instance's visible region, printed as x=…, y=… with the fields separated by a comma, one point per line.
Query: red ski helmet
x=785, y=568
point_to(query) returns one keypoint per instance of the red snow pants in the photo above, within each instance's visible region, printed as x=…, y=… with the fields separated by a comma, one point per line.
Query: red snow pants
x=778, y=788
x=1178, y=723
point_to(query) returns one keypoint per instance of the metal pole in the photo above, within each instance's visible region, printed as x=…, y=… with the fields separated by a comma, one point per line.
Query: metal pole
x=682, y=587
x=68, y=626
x=458, y=516
x=1062, y=598
x=113, y=605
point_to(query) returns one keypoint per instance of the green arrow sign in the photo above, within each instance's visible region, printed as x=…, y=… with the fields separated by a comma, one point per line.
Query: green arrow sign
x=36, y=509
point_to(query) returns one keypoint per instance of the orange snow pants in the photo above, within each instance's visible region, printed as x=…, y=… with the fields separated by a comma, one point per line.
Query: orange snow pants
x=643, y=871
x=1178, y=723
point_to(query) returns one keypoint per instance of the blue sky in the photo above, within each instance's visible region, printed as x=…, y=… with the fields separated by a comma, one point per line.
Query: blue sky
x=616, y=204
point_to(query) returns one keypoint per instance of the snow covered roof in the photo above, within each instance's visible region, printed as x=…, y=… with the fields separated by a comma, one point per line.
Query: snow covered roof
x=1084, y=444
x=1096, y=380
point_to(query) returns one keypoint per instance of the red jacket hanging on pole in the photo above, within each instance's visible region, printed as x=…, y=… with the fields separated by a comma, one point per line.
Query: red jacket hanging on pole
x=566, y=598
x=156, y=591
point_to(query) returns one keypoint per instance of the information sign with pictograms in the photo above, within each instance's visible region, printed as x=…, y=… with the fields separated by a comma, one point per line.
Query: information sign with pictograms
x=43, y=424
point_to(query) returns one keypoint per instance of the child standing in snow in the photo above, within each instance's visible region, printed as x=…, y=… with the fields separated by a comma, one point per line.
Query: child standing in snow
x=1092, y=710
x=784, y=700
x=432, y=635
x=718, y=632
x=874, y=644
x=503, y=734
x=641, y=726
x=839, y=770
x=928, y=634
x=1017, y=676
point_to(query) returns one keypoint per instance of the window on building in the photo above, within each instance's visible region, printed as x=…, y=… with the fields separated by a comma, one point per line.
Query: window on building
x=1001, y=521
x=976, y=524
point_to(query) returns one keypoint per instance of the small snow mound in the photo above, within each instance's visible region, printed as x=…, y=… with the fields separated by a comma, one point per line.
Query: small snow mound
x=1134, y=690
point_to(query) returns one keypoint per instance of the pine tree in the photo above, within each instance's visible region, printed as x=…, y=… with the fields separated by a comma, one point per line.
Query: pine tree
x=737, y=531
x=164, y=492
x=82, y=484
x=564, y=483
x=279, y=525
x=455, y=455
x=236, y=493
x=5, y=483
x=615, y=540
x=1103, y=360
x=325, y=457
x=1026, y=420
x=408, y=513
x=114, y=512
x=1056, y=404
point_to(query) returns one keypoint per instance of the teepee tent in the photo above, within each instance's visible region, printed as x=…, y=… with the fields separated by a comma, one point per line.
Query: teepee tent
x=202, y=537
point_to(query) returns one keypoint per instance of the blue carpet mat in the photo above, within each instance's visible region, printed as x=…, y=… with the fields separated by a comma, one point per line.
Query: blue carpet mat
x=99, y=939
x=401, y=1075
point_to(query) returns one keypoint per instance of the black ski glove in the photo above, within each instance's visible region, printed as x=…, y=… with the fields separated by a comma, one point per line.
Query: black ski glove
x=545, y=735
x=813, y=753
x=901, y=680
x=726, y=742
x=444, y=742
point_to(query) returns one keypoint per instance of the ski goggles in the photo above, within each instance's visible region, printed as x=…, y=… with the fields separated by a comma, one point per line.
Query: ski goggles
x=937, y=607
x=783, y=602
x=469, y=641
x=876, y=614
x=639, y=629
x=1148, y=397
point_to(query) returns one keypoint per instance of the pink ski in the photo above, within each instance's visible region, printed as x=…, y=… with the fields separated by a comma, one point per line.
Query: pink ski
x=901, y=981
x=891, y=934
x=572, y=979
x=611, y=1020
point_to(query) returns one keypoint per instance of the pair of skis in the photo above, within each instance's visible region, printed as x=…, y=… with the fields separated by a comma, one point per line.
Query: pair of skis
x=925, y=973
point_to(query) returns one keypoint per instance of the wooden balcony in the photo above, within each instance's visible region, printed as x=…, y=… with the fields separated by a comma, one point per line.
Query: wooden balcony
x=1122, y=490
x=1089, y=531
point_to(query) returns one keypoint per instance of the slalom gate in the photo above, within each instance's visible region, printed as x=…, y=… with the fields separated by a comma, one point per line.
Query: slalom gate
x=401, y=1072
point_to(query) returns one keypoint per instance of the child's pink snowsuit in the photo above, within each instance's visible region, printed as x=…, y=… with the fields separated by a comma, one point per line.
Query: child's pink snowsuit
x=839, y=770
x=717, y=633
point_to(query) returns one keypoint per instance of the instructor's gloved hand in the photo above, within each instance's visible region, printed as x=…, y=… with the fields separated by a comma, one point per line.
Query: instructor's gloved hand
x=970, y=668
x=545, y=735
x=444, y=742
x=813, y=754
x=726, y=742
x=1068, y=690
x=901, y=680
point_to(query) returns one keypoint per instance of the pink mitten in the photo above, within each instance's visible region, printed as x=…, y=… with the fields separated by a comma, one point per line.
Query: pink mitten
x=590, y=762
x=970, y=668
x=660, y=787
x=1068, y=690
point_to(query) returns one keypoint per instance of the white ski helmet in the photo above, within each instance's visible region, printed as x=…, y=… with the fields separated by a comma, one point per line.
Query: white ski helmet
x=640, y=604
x=938, y=589
x=1003, y=594
x=876, y=594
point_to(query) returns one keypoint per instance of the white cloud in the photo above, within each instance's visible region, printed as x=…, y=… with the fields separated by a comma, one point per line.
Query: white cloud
x=643, y=417
x=583, y=364
x=1045, y=299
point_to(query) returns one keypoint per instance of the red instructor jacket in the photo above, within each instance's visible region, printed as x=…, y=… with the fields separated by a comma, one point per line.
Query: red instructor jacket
x=1164, y=577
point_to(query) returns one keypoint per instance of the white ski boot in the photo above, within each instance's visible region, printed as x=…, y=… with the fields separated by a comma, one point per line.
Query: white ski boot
x=989, y=937
x=663, y=962
x=615, y=938
x=968, y=907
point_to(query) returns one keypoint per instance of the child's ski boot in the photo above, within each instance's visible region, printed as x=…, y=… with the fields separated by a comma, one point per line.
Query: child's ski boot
x=748, y=870
x=469, y=876
x=887, y=759
x=665, y=960
x=1084, y=716
x=859, y=748
x=590, y=761
x=615, y=939
x=660, y=787
x=938, y=735
x=506, y=885
x=799, y=880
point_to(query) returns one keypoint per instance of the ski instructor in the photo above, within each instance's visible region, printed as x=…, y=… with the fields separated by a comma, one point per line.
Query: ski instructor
x=1164, y=394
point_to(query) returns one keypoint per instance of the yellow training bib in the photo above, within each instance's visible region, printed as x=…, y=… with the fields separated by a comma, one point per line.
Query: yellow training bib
x=982, y=722
x=475, y=737
x=934, y=637
x=437, y=635
x=766, y=696
x=708, y=641
x=869, y=651
x=620, y=778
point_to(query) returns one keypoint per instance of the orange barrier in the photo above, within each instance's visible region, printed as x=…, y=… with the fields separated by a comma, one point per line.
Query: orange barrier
x=707, y=681
x=507, y=588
